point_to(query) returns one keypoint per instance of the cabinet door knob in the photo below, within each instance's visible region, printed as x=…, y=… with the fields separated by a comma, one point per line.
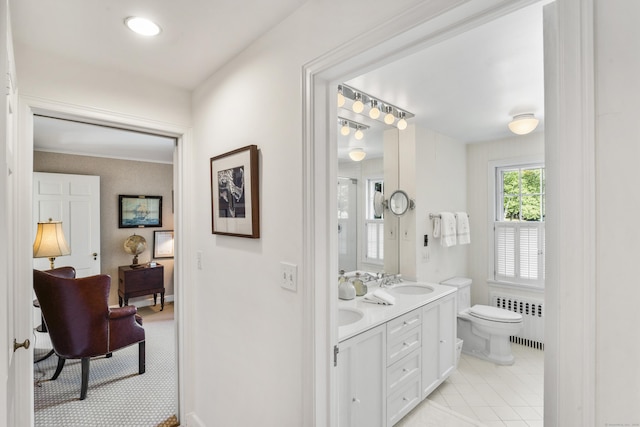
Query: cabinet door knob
x=356, y=400
x=95, y=255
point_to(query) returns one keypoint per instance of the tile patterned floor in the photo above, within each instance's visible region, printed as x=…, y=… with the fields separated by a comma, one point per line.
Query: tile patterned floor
x=497, y=396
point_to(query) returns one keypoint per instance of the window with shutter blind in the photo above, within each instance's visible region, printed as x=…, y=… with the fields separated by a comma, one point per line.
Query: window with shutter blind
x=519, y=225
x=374, y=226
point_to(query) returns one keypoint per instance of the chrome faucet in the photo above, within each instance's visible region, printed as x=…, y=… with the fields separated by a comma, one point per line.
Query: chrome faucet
x=388, y=280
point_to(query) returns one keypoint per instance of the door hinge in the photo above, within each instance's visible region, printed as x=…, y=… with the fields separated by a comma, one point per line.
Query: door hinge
x=336, y=350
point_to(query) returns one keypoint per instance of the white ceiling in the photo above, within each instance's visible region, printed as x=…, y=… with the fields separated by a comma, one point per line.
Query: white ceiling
x=467, y=87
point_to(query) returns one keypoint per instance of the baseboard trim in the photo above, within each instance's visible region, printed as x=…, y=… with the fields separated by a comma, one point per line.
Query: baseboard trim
x=193, y=420
x=146, y=302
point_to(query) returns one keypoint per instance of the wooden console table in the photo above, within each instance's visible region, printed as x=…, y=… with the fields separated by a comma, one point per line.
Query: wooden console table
x=139, y=281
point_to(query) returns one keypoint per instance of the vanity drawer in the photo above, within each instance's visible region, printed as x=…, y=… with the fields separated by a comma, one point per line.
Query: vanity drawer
x=403, y=323
x=399, y=404
x=403, y=372
x=403, y=344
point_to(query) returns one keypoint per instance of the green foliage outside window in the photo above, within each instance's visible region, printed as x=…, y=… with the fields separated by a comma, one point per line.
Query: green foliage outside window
x=523, y=194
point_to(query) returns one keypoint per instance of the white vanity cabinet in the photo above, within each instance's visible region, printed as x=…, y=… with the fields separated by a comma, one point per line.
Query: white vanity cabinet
x=362, y=394
x=438, y=342
x=404, y=344
x=391, y=359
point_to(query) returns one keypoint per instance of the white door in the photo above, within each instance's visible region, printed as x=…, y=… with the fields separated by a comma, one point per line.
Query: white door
x=74, y=200
x=14, y=323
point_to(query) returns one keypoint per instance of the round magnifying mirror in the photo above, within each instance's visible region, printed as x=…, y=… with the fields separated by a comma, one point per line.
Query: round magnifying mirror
x=398, y=202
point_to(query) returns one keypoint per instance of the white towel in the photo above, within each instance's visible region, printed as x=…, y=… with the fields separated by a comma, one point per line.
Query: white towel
x=447, y=229
x=436, y=227
x=464, y=233
x=380, y=297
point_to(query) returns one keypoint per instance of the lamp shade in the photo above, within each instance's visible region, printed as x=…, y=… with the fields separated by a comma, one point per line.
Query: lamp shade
x=357, y=154
x=523, y=124
x=50, y=242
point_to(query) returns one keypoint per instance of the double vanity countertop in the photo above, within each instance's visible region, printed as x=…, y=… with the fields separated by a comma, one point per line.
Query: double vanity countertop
x=357, y=315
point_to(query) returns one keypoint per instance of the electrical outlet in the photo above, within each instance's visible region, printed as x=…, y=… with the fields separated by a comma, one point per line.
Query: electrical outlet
x=289, y=276
x=426, y=254
x=199, y=259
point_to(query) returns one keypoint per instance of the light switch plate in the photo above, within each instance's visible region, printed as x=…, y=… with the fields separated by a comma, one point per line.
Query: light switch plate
x=289, y=276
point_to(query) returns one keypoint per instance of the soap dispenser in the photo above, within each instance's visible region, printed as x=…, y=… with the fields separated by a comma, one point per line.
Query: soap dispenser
x=361, y=288
x=346, y=290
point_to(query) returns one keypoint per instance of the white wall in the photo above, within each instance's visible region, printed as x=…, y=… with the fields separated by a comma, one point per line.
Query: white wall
x=440, y=185
x=43, y=75
x=478, y=198
x=250, y=339
x=618, y=204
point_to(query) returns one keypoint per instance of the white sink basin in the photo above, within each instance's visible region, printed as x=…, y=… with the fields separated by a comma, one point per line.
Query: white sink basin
x=412, y=289
x=347, y=316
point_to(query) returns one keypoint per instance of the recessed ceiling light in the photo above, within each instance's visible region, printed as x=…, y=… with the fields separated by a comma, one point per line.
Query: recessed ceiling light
x=142, y=26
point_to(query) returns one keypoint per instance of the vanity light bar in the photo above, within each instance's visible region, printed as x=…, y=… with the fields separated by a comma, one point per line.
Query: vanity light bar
x=352, y=124
x=351, y=94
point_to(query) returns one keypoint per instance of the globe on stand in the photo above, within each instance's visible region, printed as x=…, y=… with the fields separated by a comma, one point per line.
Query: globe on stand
x=135, y=245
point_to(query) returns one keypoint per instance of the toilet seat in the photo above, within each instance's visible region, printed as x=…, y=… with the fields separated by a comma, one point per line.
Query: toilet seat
x=494, y=314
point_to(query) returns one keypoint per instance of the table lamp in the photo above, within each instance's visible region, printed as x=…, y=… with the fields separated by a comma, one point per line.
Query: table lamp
x=50, y=242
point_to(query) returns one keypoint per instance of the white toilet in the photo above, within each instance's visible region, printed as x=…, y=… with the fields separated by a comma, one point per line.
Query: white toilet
x=484, y=330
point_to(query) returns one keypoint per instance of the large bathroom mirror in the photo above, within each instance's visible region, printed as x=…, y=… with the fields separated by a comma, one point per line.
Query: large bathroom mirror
x=363, y=205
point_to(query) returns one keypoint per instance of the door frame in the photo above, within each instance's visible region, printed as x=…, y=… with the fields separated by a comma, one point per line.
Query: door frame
x=416, y=29
x=27, y=108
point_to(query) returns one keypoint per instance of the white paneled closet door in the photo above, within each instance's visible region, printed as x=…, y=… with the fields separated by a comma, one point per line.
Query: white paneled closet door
x=74, y=200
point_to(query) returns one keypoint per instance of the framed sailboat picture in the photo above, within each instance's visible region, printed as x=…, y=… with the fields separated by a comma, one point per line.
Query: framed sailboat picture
x=140, y=211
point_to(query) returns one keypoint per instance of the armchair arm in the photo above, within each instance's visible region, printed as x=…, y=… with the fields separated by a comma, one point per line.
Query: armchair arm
x=120, y=312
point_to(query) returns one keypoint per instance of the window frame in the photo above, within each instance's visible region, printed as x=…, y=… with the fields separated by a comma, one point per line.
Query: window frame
x=495, y=206
x=368, y=209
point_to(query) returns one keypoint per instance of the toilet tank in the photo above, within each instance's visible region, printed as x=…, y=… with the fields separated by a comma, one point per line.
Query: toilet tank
x=463, y=295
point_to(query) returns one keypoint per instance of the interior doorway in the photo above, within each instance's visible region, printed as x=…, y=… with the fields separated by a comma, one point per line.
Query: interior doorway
x=32, y=107
x=333, y=70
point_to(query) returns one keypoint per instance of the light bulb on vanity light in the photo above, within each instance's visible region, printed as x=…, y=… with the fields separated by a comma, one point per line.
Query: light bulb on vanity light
x=359, y=134
x=374, y=113
x=358, y=105
x=389, y=118
x=345, y=129
x=341, y=98
x=402, y=123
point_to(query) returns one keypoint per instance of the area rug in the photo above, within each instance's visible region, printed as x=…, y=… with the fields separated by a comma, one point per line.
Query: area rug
x=117, y=395
x=431, y=414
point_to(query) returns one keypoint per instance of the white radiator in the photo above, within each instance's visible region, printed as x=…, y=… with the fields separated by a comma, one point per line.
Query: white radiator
x=532, y=311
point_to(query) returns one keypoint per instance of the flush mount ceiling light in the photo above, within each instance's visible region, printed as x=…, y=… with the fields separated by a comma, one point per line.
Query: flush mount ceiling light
x=142, y=26
x=357, y=154
x=357, y=101
x=523, y=124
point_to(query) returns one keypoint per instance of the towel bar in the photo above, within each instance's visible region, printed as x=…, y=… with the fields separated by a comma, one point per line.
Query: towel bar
x=432, y=216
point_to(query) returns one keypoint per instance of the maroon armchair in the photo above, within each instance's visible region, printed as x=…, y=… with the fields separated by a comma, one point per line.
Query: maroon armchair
x=81, y=325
